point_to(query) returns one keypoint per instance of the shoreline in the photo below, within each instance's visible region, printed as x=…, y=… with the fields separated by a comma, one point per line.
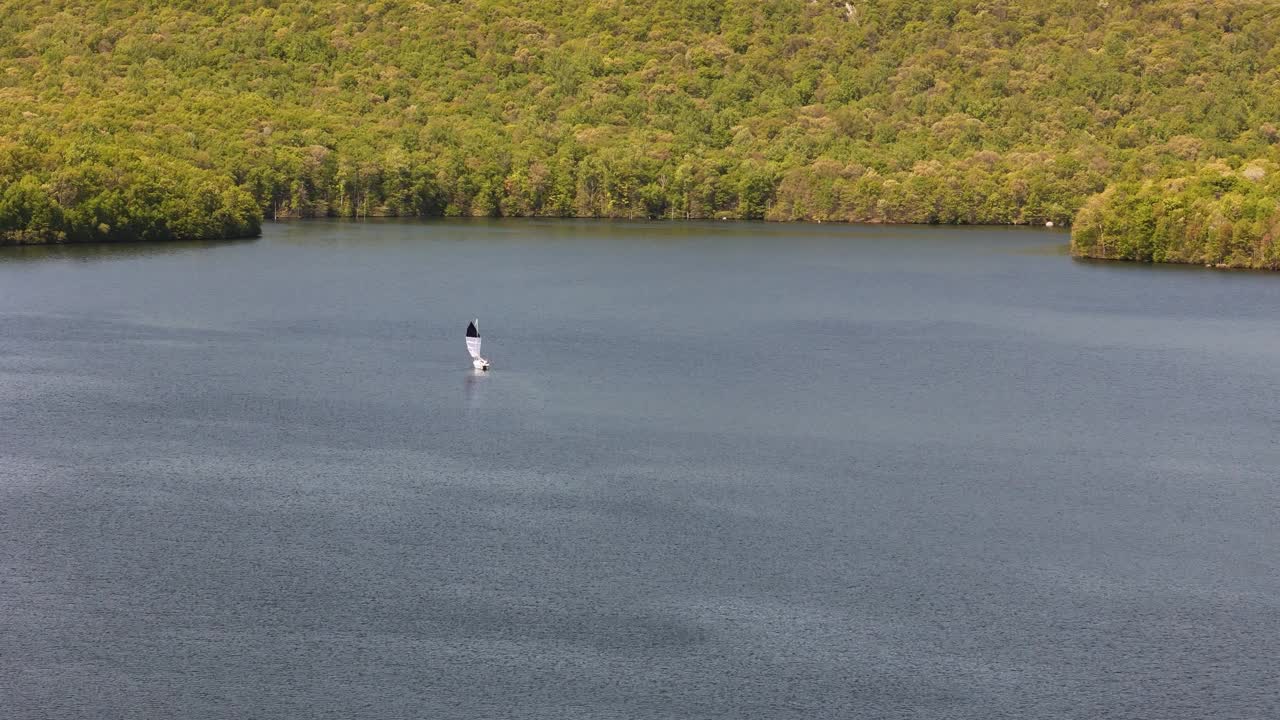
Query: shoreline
x=13, y=239
x=23, y=239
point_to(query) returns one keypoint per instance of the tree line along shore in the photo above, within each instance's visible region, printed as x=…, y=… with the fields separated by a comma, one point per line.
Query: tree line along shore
x=1150, y=128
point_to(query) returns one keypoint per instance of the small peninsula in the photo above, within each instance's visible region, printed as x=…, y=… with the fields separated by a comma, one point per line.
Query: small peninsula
x=1149, y=128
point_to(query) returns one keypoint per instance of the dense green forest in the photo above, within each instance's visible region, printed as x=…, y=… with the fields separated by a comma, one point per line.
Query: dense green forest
x=1152, y=125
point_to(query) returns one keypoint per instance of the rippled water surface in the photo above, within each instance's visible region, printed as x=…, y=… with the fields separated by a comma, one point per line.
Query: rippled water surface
x=717, y=471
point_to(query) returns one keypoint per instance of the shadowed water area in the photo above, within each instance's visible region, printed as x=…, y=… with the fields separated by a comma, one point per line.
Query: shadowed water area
x=717, y=471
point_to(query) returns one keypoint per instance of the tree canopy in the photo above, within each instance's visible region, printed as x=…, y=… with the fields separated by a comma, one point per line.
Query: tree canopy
x=151, y=120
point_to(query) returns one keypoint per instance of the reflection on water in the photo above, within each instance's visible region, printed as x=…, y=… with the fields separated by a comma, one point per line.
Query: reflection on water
x=1056, y=249
x=473, y=383
x=90, y=252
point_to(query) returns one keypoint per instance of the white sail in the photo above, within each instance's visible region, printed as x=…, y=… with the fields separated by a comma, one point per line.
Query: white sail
x=473, y=346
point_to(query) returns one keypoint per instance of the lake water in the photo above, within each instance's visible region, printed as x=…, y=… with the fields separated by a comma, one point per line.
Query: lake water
x=717, y=471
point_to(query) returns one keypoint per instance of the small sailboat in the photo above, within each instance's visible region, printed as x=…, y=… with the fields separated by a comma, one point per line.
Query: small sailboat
x=473, y=346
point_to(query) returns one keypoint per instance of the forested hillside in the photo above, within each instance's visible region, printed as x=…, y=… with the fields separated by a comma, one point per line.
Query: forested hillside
x=1152, y=124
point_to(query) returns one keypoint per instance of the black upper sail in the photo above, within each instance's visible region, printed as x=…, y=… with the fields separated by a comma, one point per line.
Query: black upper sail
x=471, y=330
